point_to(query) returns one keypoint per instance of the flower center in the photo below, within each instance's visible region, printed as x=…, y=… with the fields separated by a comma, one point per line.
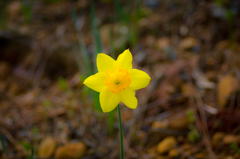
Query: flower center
x=117, y=80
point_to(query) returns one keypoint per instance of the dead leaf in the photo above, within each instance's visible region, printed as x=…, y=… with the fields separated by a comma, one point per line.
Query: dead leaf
x=71, y=151
x=227, y=86
x=229, y=139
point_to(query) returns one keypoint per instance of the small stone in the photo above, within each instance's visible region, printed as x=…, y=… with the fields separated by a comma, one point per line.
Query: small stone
x=71, y=151
x=183, y=30
x=47, y=147
x=166, y=144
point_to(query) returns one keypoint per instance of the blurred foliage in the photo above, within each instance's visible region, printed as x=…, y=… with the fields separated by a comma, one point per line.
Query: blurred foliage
x=234, y=146
x=218, y=2
x=62, y=83
x=3, y=14
x=191, y=117
x=27, y=6
x=193, y=135
x=47, y=103
x=26, y=145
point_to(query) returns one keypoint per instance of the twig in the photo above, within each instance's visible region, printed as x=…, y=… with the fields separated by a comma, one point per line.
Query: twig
x=159, y=102
x=170, y=131
x=42, y=65
x=204, y=123
x=184, y=153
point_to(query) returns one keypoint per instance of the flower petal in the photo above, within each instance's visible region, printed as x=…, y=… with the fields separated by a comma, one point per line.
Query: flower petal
x=96, y=82
x=139, y=79
x=108, y=100
x=128, y=98
x=105, y=62
x=124, y=60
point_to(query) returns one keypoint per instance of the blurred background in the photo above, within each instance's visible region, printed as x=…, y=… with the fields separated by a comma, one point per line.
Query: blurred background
x=190, y=49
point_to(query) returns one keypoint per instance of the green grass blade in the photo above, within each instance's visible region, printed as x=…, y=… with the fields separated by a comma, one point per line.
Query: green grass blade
x=112, y=50
x=118, y=7
x=81, y=42
x=3, y=145
x=96, y=101
x=96, y=35
x=32, y=153
x=134, y=23
x=120, y=132
x=27, y=9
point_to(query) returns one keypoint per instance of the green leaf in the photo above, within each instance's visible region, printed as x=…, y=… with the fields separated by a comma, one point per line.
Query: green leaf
x=111, y=120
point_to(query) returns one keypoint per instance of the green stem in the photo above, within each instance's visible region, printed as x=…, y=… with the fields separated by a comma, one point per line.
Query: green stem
x=3, y=145
x=32, y=153
x=120, y=132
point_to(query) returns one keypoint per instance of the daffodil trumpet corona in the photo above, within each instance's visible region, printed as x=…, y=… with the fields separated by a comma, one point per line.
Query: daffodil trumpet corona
x=117, y=81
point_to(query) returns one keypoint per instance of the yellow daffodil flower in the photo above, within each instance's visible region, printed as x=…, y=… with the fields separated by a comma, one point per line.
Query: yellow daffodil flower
x=117, y=81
